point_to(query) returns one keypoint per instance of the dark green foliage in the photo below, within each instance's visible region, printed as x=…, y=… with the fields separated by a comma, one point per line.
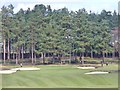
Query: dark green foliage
x=60, y=32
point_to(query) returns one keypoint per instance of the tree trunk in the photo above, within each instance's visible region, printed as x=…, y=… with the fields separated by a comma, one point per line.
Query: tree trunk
x=19, y=53
x=22, y=52
x=43, y=58
x=61, y=58
x=53, y=58
x=87, y=54
x=118, y=55
x=91, y=54
x=73, y=55
x=4, y=49
x=103, y=56
x=13, y=54
x=106, y=54
x=8, y=53
x=17, y=56
x=70, y=56
x=35, y=55
x=32, y=54
x=113, y=55
x=35, y=58
x=82, y=57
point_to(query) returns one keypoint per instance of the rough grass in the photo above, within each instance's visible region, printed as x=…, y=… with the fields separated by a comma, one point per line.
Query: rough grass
x=61, y=77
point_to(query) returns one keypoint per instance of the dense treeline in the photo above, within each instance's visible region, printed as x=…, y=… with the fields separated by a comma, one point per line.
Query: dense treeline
x=60, y=33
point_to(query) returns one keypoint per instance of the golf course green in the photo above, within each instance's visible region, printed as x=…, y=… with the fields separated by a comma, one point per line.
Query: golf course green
x=67, y=76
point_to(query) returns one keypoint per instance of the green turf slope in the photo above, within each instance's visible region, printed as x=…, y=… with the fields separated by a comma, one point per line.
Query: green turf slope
x=61, y=77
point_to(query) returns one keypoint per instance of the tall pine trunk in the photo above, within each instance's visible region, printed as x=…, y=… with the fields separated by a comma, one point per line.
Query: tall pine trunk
x=91, y=54
x=35, y=58
x=4, y=49
x=43, y=57
x=13, y=54
x=113, y=55
x=103, y=53
x=44, y=54
x=106, y=54
x=22, y=52
x=118, y=55
x=17, y=56
x=82, y=57
x=8, y=53
x=19, y=53
x=32, y=54
x=70, y=56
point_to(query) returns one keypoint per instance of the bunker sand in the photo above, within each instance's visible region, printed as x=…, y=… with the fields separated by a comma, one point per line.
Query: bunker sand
x=86, y=67
x=97, y=72
x=17, y=69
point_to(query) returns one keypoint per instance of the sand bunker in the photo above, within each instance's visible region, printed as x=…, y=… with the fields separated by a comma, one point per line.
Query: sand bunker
x=7, y=71
x=97, y=72
x=23, y=69
x=86, y=67
x=17, y=69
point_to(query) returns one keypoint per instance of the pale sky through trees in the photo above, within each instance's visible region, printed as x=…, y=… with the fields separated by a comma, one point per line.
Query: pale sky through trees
x=93, y=5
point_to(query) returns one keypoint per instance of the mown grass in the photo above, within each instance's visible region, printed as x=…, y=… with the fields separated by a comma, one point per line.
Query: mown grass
x=61, y=77
x=0, y=81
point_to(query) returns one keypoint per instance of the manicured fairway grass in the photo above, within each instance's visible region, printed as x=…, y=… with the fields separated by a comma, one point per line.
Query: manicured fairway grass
x=61, y=77
x=0, y=81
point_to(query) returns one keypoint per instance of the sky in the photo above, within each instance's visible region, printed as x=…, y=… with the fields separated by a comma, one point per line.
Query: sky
x=94, y=5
